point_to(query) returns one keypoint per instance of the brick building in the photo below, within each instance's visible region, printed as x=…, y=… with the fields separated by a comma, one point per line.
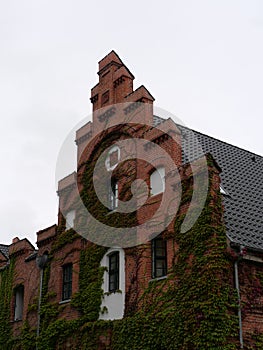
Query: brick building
x=173, y=261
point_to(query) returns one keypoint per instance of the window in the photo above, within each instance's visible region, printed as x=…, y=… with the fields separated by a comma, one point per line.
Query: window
x=19, y=303
x=70, y=217
x=157, y=181
x=223, y=191
x=113, y=158
x=67, y=282
x=105, y=97
x=159, y=258
x=114, y=259
x=113, y=284
x=113, y=194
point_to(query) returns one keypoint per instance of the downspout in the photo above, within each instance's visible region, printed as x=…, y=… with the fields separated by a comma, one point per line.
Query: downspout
x=239, y=305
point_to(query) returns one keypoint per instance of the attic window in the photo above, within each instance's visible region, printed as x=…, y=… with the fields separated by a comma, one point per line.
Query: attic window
x=223, y=191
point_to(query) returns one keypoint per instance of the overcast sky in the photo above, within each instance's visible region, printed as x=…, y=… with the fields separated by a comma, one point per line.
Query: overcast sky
x=201, y=60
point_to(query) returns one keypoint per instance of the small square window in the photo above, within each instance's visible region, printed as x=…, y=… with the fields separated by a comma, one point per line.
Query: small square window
x=113, y=158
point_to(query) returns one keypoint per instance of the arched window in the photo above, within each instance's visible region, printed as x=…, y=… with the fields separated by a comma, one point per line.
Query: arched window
x=157, y=181
x=19, y=303
x=70, y=217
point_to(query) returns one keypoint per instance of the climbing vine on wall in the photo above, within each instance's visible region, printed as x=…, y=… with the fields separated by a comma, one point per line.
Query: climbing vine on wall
x=6, y=289
x=195, y=307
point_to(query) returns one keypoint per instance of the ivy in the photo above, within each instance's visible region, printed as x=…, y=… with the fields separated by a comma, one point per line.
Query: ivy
x=88, y=299
x=6, y=289
x=63, y=238
x=193, y=308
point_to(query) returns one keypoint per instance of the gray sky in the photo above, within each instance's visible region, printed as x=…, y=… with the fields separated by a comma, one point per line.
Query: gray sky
x=201, y=60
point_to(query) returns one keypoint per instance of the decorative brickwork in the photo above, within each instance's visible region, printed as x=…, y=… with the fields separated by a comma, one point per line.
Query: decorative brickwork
x=197, y=304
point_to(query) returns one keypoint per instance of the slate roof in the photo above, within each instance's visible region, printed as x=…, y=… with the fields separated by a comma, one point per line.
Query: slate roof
x=242, y=178
x=4, y=250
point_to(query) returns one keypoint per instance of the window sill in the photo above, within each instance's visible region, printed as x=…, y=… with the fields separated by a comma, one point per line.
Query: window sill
x=154, y=198
x=112, y=211
x=65, y=301
x=118, y=291
x=16, y=321
x=158, y=279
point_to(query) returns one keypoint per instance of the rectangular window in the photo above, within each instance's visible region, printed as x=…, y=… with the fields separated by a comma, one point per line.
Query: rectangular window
x=67, y=282
x=114, y=271
x=159, y=258
x=70, y=217
x=113, y=194
x=19, y=303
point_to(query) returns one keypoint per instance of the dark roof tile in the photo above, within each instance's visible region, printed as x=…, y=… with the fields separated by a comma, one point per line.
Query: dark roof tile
x=4, y=249
x=242, y=178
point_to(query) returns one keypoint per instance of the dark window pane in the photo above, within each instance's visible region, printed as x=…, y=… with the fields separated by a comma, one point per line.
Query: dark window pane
x=159, y=258
x=113, y=272
x=67, y=282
